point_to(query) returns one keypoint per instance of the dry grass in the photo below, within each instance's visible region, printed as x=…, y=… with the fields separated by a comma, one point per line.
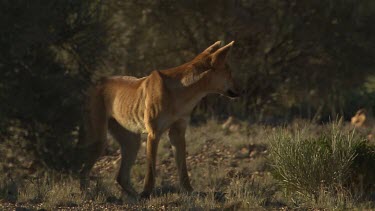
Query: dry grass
x=228, y=170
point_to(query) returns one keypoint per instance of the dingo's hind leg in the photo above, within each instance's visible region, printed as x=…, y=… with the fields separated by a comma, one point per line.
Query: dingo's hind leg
x=129, y=143
x=92, y=152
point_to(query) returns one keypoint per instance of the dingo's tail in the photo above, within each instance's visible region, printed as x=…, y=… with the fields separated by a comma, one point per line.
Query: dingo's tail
x=93, y=130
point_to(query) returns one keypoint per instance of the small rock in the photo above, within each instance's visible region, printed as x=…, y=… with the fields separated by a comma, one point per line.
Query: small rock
x=253, y=154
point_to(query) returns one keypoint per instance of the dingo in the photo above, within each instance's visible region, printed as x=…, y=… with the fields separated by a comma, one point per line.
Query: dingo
x=129, y=106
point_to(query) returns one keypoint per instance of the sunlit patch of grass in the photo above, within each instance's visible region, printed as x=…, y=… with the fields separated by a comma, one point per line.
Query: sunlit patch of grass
x=35, y=190
x=64, y=193
x=51, y=191
x=257, y=192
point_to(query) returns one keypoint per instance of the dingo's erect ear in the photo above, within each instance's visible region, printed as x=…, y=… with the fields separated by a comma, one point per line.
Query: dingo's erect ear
x=219, y=57
x=212, y=48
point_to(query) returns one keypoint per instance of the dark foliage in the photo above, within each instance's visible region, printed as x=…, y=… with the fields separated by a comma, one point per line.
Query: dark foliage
x=49, y=50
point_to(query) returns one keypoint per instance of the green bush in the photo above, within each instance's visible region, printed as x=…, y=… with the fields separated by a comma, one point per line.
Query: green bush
x=314, y=165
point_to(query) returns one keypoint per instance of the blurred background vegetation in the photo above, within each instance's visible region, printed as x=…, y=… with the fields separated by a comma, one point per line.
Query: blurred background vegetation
x=306, y=59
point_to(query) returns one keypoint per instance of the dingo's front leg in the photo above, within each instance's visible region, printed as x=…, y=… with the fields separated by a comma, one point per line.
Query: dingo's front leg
x=151, y=151
x=177, y=138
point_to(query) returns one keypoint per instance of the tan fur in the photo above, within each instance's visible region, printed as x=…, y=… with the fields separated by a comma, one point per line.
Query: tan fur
x=162, y=101
x=231, y=124
x=363, y=120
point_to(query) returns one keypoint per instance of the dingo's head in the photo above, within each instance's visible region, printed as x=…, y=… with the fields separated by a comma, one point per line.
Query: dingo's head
x=218, y=73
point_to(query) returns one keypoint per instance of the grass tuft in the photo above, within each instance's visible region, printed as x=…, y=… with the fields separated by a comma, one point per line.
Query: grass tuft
x=319, y=167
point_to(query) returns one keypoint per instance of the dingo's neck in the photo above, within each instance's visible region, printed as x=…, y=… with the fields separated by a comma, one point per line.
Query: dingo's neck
x=188, y=84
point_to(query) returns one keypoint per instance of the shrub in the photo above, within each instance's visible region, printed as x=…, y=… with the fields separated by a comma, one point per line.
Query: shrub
x=50, y=51
x=314, y=165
